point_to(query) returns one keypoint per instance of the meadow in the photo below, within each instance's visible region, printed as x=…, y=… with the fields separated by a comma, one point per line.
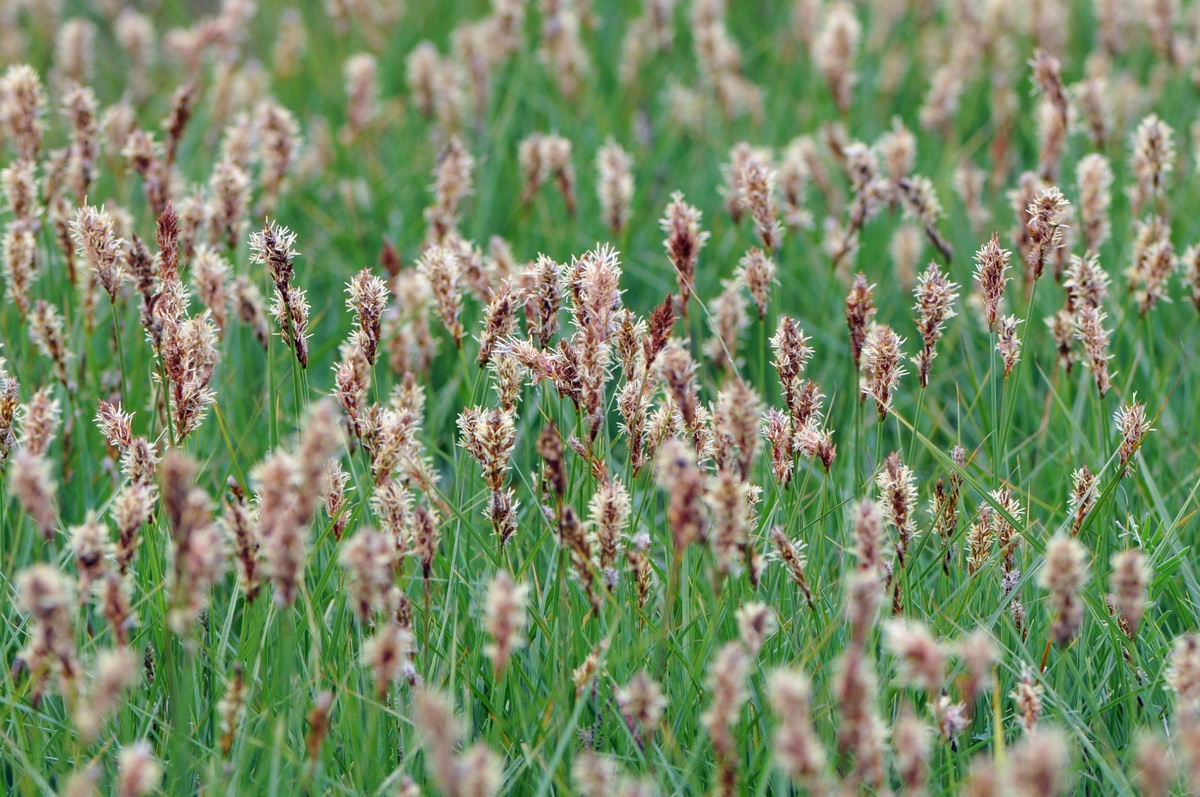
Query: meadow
x=599, y=397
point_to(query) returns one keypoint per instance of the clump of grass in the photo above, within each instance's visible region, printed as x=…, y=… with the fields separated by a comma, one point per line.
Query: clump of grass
x=597, y=479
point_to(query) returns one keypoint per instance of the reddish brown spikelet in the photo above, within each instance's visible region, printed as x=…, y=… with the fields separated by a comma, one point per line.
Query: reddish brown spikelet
x=685, y=512
x=39, y=422
x=368, y=300
x=922, y=659
x=860, y=310
x=1130, y=577
x=727, y=676
x=792, y=555
x=798, y=748
x=677, y=370
x=1153, y=161
x=1084, y=492
x=241, y=526
x=1064, y=574
x=210, y=273
x=24, y=102
x=30, y=481
x=683, y=243
x=898, y=497
x=132, y=508
x=452, y=183
x=616, y=185
x=757, y=272
x=44, y=593
x=505, y=619
x=369, y=558
x=46, y=332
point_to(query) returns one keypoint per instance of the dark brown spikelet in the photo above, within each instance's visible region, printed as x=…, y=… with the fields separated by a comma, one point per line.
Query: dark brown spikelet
x=792, y=556
x=319, y=722
x=250, y=310
x=677, y=472
x=1131, y=422
x=242, y=528
x=182, y=105
x=662, y=322
x=389, y=259
x=683, y=244
x=140, y=266
x=273, y=248
x=552, y=454
x=231, y=708
x=426, y=537
x=500, y=321
x=944, y=506
x=168, y=243
x=860, y=310
x=543, y=300
x=368, y=300
x=578, y=543
x=677, y=370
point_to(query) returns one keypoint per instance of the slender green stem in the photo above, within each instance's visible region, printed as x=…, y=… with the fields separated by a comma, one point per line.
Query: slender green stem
x=116, y=337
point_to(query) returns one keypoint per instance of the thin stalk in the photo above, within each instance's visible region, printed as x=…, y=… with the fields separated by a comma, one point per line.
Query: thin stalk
x=912, y=443
x=1009, y=401
x=116, y=336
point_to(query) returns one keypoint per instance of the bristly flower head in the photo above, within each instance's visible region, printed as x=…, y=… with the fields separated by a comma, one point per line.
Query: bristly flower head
x=798, y=749
x=138, y=773
x=860, y=310
x=1047, y=217
x=1007, y=342
x=923, y=662
x=22, y=103
x=273, y=247
x=615, y=186
x=1131, y=574
x=505, y=619
x=935, y=304
x=683, y=243
x=991, y=270
x=757, y=272
x=368, y=299
x=882, y=366
x=1153, y=160
x=99, y=246
x=898, y=499
x=1064, y=574
x=1183, y=672
x=1132, y=423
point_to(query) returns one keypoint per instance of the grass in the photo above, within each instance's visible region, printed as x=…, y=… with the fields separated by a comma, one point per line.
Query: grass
x=1027, y=432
